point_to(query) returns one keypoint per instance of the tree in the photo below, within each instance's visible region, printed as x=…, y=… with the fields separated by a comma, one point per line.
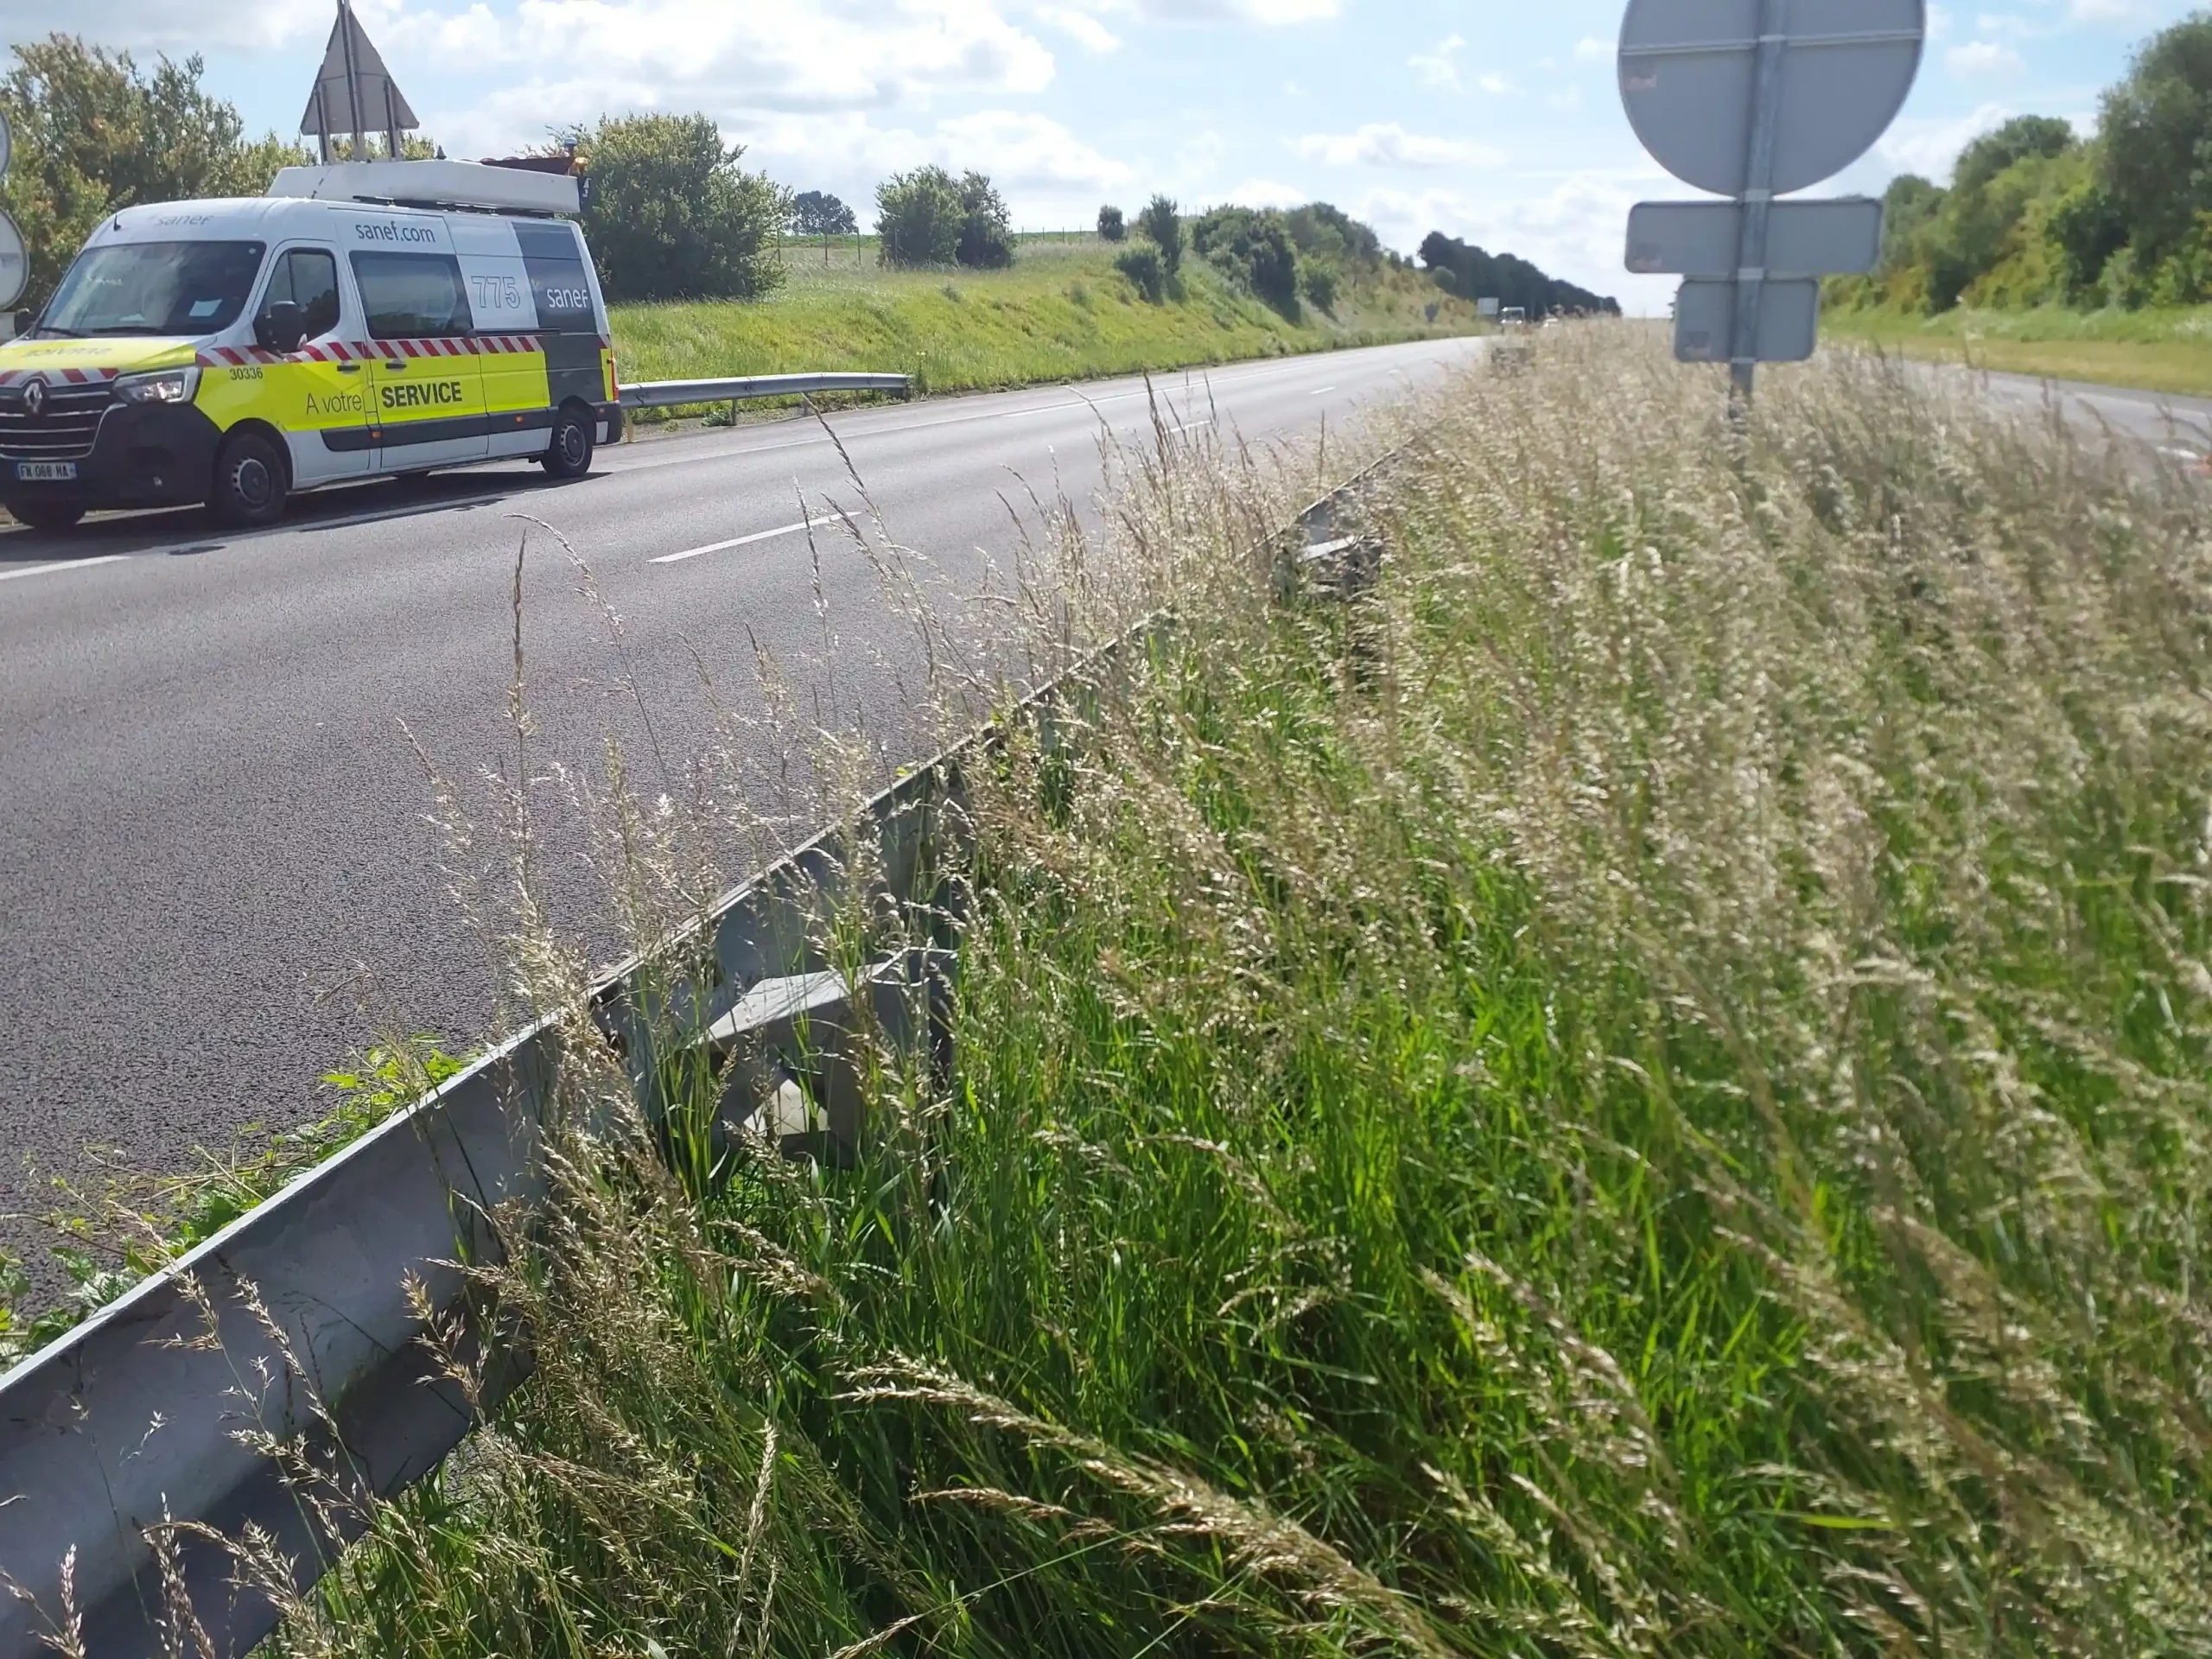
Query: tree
x=1112, y=227
x=986, y=230
x=919, y=217
x=929, y=218
x=1472, y=274
x=2021, y=137
x=2086, y=228
x=1162, y=220
x=1323, y=230
x=1252, y=249
x=94, y=134
x=672, y=216
x=816, y=214
x=2156, y=141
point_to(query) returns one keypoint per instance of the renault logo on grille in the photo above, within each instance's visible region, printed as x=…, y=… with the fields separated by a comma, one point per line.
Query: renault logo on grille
x=35, y=399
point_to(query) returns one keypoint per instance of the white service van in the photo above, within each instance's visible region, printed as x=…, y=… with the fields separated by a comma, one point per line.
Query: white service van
x=363, y=319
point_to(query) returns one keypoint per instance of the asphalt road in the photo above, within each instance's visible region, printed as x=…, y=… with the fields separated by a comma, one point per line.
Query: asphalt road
x=2178, y=428
x=218, y=877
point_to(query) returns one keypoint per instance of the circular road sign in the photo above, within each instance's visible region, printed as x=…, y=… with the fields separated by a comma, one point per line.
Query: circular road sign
x=14, y=263
x=1689, y=71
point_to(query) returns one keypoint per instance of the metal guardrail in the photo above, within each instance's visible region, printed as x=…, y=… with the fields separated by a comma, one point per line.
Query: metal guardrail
x=668, y=394
x=136, y=1418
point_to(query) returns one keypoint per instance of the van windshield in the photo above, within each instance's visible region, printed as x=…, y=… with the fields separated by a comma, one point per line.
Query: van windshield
x=154, y=288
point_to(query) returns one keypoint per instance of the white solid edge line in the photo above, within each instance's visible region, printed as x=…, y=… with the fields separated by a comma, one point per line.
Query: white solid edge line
x=63, y=564
x=741, y=541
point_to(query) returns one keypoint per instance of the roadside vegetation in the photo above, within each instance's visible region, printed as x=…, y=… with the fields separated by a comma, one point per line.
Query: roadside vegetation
x=1641, y=1089
x=1060, y=310
x=2051, y=253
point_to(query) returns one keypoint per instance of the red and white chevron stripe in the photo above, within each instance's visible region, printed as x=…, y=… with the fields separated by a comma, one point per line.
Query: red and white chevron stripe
x=356, y=351
x=59, y=376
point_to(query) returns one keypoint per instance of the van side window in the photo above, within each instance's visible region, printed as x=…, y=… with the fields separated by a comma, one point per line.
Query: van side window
x=412, y=295
x=557, y=283
x=308, y=278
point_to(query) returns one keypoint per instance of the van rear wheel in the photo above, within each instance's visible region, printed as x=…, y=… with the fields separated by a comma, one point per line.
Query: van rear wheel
x=568, y=453
x=249, y=481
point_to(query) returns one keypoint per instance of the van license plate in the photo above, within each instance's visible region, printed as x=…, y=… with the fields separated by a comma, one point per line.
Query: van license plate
x=45, y=471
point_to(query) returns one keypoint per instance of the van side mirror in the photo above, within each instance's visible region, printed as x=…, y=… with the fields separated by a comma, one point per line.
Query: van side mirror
x=282, y=327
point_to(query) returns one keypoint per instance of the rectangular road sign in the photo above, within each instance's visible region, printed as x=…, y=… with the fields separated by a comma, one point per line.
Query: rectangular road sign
x=1804, y=238
x=1704, y=320
x=1487, y=308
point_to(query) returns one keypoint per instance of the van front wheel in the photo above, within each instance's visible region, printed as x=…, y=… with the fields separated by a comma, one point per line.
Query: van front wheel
x=568, y=455
x=45, y=515
x=249, y=481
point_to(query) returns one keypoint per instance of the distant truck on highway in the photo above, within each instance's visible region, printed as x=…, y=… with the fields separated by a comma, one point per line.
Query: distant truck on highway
x=361, y=320
x=1514, y=316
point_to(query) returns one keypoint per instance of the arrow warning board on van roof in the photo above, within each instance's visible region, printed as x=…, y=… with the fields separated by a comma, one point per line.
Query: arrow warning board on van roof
x=354, y=93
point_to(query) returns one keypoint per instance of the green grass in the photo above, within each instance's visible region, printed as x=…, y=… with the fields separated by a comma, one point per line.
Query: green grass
x=1643, y=1090
x=2166, y=351
x=1061, y=313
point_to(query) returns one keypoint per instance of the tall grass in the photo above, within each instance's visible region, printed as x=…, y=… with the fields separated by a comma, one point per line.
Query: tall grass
x=1640, y=1090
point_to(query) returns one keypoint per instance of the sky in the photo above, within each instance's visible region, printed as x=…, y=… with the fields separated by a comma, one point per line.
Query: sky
x=1501, y=124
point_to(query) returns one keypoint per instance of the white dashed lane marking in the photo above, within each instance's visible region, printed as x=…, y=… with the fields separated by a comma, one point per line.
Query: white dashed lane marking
x=741, y=541
x=62, y=565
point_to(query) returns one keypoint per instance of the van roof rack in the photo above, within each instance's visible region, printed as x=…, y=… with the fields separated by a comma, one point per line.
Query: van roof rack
x=480, y=186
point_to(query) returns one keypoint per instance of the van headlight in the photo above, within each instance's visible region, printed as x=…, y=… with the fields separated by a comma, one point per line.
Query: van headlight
x=162, y=386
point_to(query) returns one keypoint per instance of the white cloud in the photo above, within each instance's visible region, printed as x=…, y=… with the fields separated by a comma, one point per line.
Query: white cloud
x=1495, y=84
x=1271, y=12
x=1983, y=58
x=2106, y=11
x=1267, y=193
x=1931, y=147
x=1577, y=230
x=1080, y=25
x=1590, y=49
x=1437, y=67
x=167, y=25
x=1388, y=145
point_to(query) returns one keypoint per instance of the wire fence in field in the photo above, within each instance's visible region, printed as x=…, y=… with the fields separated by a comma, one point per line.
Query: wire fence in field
x=863, y=247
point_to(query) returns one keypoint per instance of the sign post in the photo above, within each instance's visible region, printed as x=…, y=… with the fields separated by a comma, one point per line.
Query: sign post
x=15, y=257
x=1752, y=99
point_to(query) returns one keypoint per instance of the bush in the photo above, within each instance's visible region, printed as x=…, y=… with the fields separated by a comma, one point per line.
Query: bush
x=1252, y=249
x=673, y=216
x=2086, y=228
x=1112, y=227
x=1320, y=283
x=920, y=217
x=929, y=218
x=1323, y=230
x=1145, y=269
x=2185, y=276
x=986, y=231
x=1162, y=221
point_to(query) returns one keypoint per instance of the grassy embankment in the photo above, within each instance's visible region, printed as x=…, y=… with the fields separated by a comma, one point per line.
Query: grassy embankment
x=2168, y=351
x=1643, y=1092
x=1061, y=313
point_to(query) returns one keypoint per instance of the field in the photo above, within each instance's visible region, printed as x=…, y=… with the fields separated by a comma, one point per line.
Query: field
x=1641, y=1089
x=2166, y=351
x=1061, y=313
